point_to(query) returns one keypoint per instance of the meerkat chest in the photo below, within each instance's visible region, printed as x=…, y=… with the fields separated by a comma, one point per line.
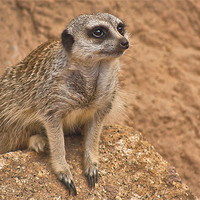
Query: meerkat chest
x=89, y=91
x=103, y=85
x=94, y=86
x=106, y=84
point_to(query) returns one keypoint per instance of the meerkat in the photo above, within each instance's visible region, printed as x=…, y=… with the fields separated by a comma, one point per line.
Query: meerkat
x=62, y=86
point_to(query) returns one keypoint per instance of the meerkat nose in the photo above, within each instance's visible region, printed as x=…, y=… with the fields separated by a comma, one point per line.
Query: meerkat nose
x=124, y=44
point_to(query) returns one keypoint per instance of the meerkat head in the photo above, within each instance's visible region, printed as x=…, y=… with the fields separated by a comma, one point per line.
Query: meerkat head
x=95, y=37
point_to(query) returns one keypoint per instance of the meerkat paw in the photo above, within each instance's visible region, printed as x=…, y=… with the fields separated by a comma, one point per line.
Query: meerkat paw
x=37, y=143
x=92, y=174
x=66, y=178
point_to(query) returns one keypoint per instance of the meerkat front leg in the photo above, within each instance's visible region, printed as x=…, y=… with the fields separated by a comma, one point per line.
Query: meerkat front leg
x=92, y=136
x=57, y=149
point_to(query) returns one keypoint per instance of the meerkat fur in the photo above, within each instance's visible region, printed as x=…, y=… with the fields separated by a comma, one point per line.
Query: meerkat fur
x=62, y=86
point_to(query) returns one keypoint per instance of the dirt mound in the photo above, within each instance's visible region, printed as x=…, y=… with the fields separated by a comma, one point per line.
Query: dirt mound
x=161, y=70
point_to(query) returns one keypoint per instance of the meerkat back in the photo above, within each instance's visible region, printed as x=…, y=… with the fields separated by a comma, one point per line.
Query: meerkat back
x=19, y=86
x=62, y=86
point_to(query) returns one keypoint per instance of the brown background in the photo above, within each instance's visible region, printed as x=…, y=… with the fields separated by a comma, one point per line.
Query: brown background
x=161, y=70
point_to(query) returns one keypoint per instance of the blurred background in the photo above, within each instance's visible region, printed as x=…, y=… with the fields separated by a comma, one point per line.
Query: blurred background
x=160, y=71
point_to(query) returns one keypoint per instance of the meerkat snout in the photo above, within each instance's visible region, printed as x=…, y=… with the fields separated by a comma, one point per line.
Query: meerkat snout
x=124, y=44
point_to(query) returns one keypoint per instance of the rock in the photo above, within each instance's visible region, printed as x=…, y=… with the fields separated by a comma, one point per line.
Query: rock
x=129, y=168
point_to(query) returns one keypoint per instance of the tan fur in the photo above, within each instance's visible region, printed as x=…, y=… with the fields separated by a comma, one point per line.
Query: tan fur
x=61, y=87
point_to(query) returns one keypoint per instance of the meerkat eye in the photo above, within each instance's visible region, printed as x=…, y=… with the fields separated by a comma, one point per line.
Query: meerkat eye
x=121, y=28
x=98, y=32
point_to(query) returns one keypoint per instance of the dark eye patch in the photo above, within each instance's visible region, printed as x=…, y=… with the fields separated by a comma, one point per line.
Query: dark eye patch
x=121, y=28
x=98, y=32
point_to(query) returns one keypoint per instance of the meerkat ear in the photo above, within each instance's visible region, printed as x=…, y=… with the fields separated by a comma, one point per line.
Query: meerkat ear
x=67, y=40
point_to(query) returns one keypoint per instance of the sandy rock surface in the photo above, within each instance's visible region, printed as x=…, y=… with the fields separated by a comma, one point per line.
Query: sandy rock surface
x=130, y=168
x=161, y=69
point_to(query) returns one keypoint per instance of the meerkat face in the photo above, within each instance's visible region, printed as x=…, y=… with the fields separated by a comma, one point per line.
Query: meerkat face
x=94, y=37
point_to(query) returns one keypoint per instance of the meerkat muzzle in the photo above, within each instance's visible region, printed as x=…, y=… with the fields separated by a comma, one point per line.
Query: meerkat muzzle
x=124, y=44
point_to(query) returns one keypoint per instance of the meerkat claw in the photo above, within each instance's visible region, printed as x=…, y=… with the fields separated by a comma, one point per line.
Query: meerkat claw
x=73, y=187
x=69, y=184
x=96, y=175
x=92, y=178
